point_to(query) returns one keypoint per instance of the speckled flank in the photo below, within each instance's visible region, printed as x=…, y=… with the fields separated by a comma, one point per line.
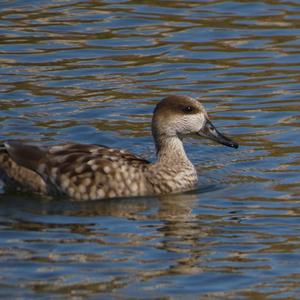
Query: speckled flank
x=90, y=172
x=84, y=172
x=93, y=172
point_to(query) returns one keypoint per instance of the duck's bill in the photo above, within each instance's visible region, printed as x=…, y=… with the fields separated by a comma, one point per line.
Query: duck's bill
x=211, y=132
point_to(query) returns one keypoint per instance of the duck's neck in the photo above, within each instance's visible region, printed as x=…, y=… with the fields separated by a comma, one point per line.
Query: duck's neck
x=170, y=151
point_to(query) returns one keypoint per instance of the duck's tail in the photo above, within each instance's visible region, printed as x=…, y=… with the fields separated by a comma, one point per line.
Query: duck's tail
x=16, y=168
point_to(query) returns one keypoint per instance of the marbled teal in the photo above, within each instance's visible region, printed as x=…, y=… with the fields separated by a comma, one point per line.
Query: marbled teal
x=90, y=172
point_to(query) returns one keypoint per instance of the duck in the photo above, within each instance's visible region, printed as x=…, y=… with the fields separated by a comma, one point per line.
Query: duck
x=86, y=172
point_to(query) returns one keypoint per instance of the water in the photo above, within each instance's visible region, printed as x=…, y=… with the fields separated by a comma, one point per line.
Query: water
x=91, y=71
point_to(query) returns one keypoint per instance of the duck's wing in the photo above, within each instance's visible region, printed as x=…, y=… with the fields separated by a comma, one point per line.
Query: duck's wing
x=77, y=170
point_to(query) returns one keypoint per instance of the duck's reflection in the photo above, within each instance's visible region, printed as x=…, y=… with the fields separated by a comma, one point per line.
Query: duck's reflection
x=172, y=220
x=175, y=207
x=169, y=222
x=182, y=232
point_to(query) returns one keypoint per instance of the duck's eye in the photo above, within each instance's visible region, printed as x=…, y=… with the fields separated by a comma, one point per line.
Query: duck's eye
x=188, y=109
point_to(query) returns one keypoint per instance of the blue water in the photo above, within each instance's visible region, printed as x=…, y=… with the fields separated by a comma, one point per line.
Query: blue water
x=92, y=71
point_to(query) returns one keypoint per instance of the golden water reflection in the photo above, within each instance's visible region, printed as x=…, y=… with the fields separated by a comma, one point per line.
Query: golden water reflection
x=92, y=72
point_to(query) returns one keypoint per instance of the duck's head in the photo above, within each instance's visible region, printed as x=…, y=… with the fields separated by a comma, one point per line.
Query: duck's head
x=182, y=115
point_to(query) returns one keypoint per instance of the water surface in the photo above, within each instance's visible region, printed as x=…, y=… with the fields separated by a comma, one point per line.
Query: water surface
x=92, y=71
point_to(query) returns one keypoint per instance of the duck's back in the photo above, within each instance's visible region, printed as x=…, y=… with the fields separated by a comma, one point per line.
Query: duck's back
x=82, y=172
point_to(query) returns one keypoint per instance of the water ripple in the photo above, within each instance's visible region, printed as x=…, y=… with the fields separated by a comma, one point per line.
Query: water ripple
x=91, y=71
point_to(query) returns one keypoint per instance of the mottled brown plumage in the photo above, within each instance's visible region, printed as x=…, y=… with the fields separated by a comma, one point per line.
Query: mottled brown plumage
x=20, y=178
x=89, y=172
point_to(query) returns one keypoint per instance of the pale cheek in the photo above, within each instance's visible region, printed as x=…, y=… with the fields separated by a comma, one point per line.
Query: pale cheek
x=194, y=123
x=186, y=124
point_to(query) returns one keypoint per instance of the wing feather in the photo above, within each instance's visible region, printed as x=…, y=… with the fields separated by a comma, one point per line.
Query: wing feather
x=69, y=168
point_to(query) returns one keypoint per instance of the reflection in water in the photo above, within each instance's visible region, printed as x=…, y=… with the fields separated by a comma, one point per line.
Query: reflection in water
x=178, y=230
x=92, y=71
